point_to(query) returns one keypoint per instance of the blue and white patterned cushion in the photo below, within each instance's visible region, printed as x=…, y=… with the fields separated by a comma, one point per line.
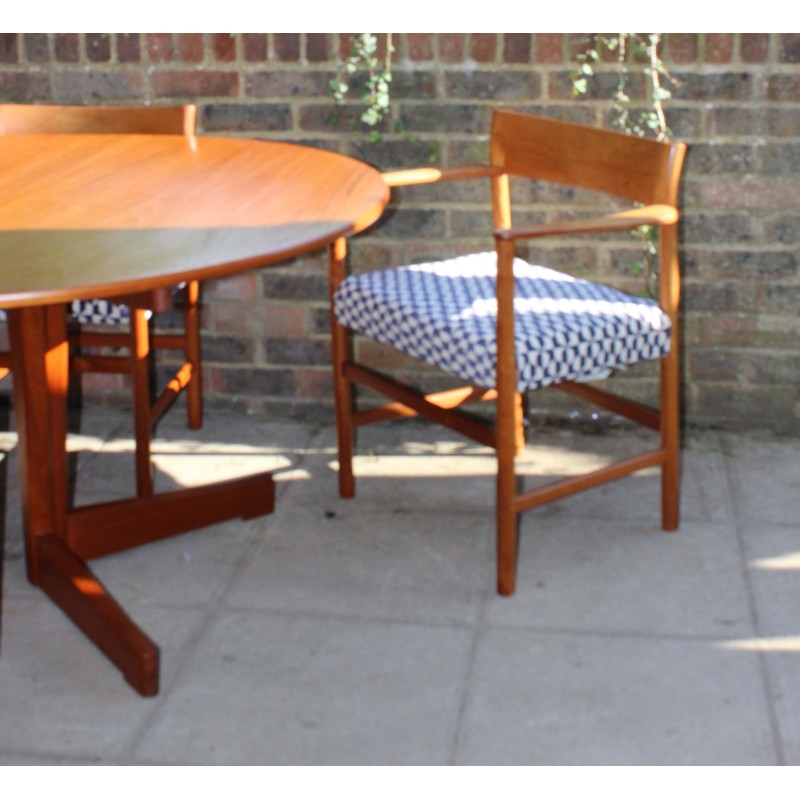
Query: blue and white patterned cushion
x=95, y=312
x=99, y=312
x=445, y=313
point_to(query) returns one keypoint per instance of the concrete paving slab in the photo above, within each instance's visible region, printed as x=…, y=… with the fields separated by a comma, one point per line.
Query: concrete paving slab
x=630, y=577
x=773, y=563
x=268, y=689
x=320, y=554
x=565, y=699
x=191, y=570
x=765, y=479
x=772, y=554
x=59, y=696
x=368, y=631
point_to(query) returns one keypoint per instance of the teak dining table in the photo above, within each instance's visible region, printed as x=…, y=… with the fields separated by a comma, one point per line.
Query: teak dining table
x=85, y=216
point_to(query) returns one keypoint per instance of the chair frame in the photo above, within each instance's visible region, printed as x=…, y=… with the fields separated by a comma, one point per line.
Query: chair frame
x=640, y=170
x=137, y=343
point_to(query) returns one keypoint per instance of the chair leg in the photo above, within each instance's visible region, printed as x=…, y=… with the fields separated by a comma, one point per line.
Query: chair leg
x=344, y=435
x=191, y=321
x=670, y=441
x=342, y=390
x=509, y=435
x=140, y=380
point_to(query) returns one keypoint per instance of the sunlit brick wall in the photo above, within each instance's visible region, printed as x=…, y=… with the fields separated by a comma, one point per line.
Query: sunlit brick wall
x=266, y=343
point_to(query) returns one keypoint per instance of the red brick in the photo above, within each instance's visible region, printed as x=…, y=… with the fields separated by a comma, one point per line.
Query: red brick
x=451, y=47
x=255, y=381
x=578, y=43
x=223, y=46
x=719, y=48
x=98, y=47
x=316, y=383
x=420, y=46
x=549, y=48
x=345, y=44
x=755, y=47
x=297, y=350
x=610, y=55
x=78, y=85
x=681, y=48
x=9, y=50
x=159, y=47
x=517, y=48
x=255, y=46
x=195, y=83
x=237, y=287
x=103, y=381
x=128, y=48
x=25, y=87
x=289, y=83
x=789, y=52
x=287, y=46
x=752, y=193
x=483, y=47
x=383, y=43
x=317, y=47
x=229, y=350
x=255, y=319
x=37, y=48
x=783, y=87
x=67, y=47
x=191, y=47
x=249, y=117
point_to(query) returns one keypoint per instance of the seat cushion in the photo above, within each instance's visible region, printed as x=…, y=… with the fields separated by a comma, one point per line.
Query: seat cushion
x=95, y=312
x=445, y=313
x=99, y=312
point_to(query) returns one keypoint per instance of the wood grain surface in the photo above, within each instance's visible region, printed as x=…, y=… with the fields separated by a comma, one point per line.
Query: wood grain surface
x=100, y=215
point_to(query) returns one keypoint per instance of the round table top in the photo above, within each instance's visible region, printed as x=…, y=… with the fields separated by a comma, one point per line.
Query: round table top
x=90, y=215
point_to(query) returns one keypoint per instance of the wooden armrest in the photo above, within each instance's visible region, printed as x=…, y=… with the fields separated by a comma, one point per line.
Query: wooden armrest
x=620, y=221
x=411, y=177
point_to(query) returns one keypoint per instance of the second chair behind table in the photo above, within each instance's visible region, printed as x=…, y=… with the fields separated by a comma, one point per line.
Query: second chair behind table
x=91, y=336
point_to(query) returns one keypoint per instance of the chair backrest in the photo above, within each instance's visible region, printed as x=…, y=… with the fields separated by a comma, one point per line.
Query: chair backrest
x=22, y=119
x=642, y=170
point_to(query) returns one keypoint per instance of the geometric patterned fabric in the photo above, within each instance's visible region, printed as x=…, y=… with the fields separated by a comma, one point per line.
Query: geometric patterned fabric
x=99, y=312
x=445, y=313
x=95, y=312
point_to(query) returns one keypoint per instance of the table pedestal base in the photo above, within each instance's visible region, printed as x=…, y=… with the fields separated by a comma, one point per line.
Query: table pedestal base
x=58, y=540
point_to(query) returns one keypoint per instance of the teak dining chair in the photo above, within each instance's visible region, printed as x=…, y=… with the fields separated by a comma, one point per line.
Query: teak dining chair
x=131, y=347
x=506, y=327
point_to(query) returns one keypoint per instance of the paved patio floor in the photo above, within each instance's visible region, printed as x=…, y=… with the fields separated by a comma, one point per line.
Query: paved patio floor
x=368, y=631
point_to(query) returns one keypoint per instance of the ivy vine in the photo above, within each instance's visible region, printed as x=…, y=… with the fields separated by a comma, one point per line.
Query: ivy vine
x=635, y=53
x=364, y=59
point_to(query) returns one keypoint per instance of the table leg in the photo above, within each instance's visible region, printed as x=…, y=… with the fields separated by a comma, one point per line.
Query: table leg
x=39, y=360
x=59, y=539
x=40, y=366
x=72, y=586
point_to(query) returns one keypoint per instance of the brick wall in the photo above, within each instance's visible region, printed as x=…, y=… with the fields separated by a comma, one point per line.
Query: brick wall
x=265, y=334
